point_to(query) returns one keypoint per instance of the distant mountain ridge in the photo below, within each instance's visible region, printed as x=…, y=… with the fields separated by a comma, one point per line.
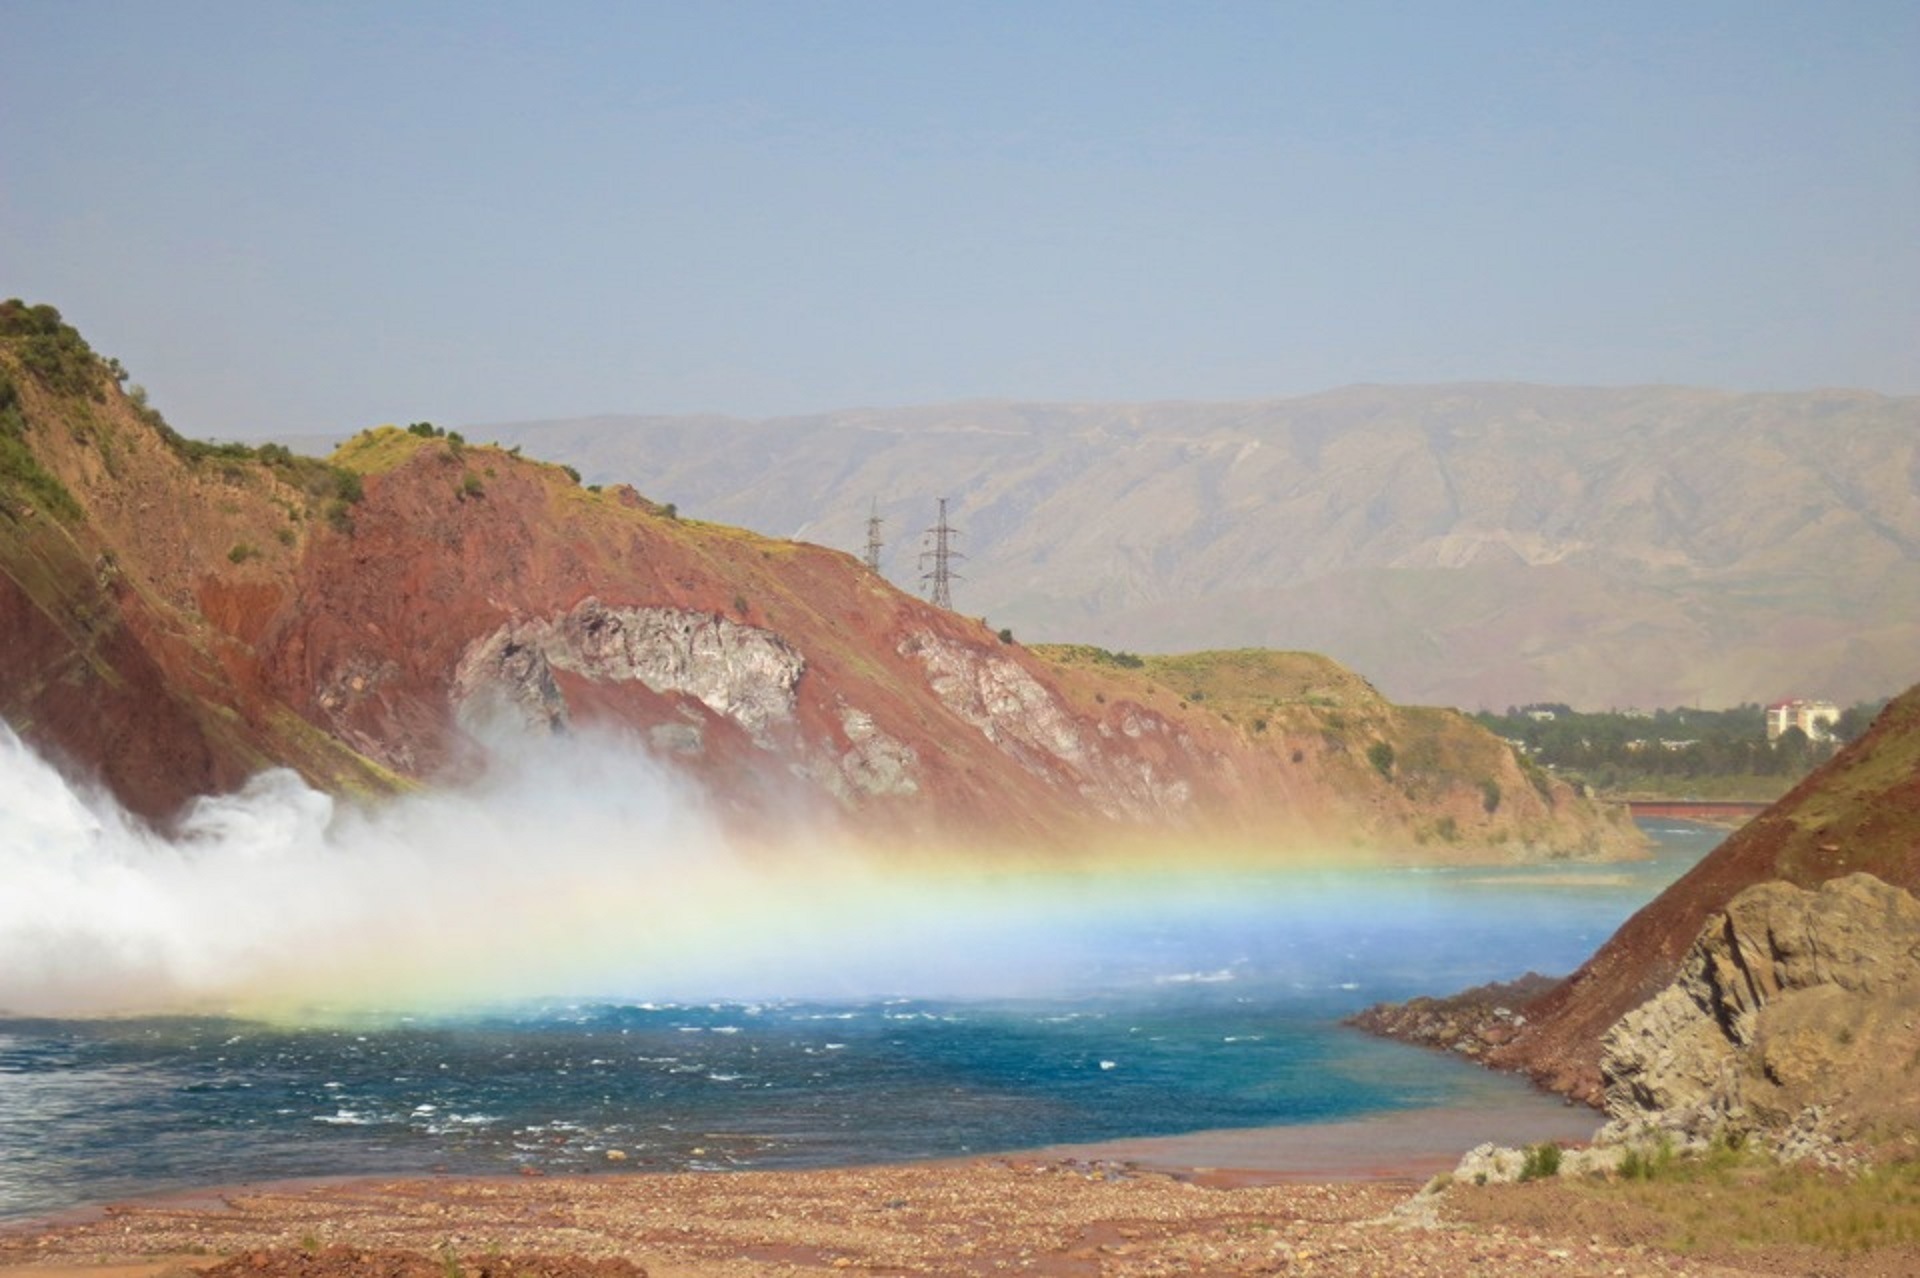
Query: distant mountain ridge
x=1479, y=545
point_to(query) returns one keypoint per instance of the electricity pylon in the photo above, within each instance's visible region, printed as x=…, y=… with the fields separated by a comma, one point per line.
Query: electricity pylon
x=939, y=548
x=873, y=537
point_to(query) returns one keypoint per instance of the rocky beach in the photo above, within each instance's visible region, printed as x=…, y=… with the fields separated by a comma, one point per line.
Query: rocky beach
x=1033, y=1214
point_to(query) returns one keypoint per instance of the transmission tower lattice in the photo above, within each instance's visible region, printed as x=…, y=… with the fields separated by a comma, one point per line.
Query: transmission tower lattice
x=873, y=537
x=939, y=550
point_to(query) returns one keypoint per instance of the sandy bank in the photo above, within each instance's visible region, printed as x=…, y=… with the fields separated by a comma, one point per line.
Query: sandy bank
x=1410, y=1145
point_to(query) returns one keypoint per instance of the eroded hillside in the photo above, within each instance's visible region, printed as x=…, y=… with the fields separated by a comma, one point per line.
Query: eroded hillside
x=181, y=615
x=114, y=536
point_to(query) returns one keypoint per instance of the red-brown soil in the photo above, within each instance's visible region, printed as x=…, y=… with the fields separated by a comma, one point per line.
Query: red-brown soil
x=354, y=1262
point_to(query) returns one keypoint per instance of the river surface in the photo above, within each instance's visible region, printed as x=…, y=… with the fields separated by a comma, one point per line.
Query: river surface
x=1166, y=1005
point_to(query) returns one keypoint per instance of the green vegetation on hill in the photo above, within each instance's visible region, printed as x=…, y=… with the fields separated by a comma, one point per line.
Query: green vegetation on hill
x=1428, y=756
x=1699, y=753
x=1864, y=813
x=381, y=449
x=22, y=477
x=53, y=353
x=1240, y=684
x=1085, y=654
x=50, y=349
x=1257, y=676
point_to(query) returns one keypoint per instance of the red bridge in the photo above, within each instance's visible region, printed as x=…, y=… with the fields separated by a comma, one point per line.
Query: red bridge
x=1711, y=811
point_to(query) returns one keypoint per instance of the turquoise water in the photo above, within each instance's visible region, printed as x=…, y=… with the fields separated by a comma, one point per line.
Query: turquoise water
x=1164, y=1006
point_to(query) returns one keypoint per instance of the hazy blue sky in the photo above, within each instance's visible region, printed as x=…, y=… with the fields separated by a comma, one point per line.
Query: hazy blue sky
x=318, y=217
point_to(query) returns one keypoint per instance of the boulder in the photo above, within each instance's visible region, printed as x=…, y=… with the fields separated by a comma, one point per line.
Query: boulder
x=1793, y=1020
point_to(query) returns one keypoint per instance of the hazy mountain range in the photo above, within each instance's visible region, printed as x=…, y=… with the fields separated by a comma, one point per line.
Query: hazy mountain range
x=1479, y=545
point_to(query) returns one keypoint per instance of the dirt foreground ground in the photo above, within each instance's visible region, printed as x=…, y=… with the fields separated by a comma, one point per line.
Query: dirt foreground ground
x=1224, y=1203
x=994, y=1216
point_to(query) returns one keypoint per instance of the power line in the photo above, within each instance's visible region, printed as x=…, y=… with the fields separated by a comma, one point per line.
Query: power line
x=939, y=549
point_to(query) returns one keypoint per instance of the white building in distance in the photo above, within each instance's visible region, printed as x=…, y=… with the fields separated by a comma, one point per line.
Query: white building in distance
x=1815, y=718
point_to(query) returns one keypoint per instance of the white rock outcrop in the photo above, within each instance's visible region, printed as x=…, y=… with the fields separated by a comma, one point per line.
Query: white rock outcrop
x=739, y=672
x=875, y=763
x=1038, y=730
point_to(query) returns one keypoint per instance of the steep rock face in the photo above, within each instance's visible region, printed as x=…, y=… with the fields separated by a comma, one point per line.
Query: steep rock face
x=1795, y=1013
x=1859, y=812
x=739, y=672
x=1034, y=726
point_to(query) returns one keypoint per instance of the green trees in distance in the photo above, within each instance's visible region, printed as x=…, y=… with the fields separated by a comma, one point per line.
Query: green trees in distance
x=427, y=430
x=1124, y=660
x=1670, y=750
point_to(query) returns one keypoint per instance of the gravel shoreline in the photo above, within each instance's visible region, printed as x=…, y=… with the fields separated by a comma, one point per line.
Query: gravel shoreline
x=1059, y=1212
x=982, y=1217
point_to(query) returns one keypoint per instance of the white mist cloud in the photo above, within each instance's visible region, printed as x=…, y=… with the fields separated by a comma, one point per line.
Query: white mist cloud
x=277, y=891
x=575, y=867
x=578, y=868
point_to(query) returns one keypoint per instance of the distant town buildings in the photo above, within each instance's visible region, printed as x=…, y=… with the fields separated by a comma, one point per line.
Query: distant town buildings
x=1671, y=746
x=1815, y=718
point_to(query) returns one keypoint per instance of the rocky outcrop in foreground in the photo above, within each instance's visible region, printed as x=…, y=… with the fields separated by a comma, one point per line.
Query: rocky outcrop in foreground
x=1859, y=812
x=1471, y=1022
x=1795, y=1019
x=1792, y=1028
